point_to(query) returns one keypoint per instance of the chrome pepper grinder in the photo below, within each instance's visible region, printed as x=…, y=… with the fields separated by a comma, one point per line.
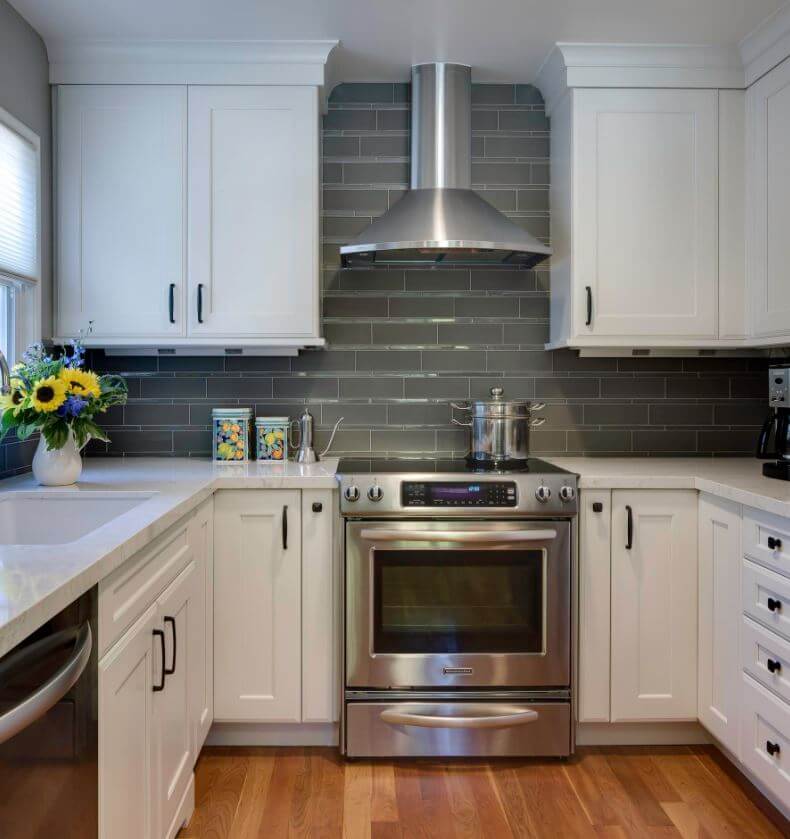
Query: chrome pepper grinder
x=306, y=453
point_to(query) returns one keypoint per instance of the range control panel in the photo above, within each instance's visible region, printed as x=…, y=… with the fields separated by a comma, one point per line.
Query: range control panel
x=458, y=494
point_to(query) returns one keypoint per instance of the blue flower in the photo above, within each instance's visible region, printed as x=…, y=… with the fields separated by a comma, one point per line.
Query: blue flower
x=72, y=407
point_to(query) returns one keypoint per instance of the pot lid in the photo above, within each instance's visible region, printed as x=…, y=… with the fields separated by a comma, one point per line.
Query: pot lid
x=498, y=406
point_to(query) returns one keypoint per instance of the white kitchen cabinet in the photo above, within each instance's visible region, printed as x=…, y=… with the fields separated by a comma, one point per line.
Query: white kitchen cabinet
x=719, y=682
x=595, y=539
x=257, y=606
x=768, y=203
x=253, y=212
x=121, y=212
x=127, y=733
x=202, y=689
x=654, y=605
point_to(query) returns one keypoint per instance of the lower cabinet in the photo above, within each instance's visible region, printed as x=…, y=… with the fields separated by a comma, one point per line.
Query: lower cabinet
x=719, y=668
x=276, y=602
x=153, y=688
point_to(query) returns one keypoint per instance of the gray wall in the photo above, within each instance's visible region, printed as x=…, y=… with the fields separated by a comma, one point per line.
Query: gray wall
x=24, y=92
x=404, y=343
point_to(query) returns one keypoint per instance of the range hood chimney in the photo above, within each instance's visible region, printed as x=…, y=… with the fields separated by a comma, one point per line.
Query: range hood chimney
x=441, y=220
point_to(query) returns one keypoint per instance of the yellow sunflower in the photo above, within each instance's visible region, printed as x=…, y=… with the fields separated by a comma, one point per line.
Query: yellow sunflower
x=80, y=382
x=13, y=401
x=48, y=394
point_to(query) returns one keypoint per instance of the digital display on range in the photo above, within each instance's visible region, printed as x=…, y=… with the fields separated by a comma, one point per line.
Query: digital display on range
x=458, y=494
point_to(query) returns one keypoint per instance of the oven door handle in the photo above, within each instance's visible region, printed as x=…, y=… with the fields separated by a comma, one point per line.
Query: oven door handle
x=489, y=716
x=52, y=691
x=473, y=536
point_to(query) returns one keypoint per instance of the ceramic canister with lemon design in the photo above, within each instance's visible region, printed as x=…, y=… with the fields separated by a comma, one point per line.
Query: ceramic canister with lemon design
x=271, y=435
x=231, y=434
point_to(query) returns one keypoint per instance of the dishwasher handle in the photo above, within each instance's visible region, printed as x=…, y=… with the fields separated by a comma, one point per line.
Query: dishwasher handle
x=493, y=537
x=36, y=705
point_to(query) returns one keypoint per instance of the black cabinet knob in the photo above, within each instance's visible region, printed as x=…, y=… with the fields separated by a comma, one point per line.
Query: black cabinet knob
x=597, y=507
x=774, y=544
x=773, y=749
x=774, y=605
x=773, y=666
x=317, y=506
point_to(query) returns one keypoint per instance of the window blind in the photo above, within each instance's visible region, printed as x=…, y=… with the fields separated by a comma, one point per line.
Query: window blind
x=19, y=162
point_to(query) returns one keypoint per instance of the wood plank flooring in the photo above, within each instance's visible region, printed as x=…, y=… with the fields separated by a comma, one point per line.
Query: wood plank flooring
x=611, y=793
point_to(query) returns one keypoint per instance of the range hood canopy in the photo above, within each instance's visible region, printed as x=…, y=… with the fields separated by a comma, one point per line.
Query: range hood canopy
x=441, y=220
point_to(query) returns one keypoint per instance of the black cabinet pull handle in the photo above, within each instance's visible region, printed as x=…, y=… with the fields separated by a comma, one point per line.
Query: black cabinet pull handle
x=774, y=544
x=200, y=303
x=285, y=528
x=172, y=669
x=171, y=302
x=773, y=666
x=630, y=528
x=774, y=605
x=161, y=685
x=317, y=506
x=588, y=289
x=772, y=748
x=597, y=507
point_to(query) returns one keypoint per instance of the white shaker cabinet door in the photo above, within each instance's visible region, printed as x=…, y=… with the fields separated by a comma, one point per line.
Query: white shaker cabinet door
x=768, y=202
x=719, y=618
x=645, y=213
x=257, y=606
x=253, y=212
x=654, y=605
x=127, y=736
x=120, y=211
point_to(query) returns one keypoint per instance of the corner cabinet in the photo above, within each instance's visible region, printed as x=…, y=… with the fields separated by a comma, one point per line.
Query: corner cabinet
x=187, y=216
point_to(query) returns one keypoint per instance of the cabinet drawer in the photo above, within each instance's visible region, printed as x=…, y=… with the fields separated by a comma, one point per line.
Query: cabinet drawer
x=766, y=657
x=765, y=725
x=766, y=598
x=132, y=588
x=766, y=539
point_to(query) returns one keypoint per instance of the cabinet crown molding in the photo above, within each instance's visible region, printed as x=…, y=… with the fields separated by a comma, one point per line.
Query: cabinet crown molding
x=189, y=62
x=570, y=65
x=767, y=46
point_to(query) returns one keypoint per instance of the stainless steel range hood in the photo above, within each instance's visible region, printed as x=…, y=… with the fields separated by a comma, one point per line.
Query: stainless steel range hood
x=441, y=221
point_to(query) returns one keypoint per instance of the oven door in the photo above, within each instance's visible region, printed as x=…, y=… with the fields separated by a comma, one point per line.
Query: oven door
x=438, y=604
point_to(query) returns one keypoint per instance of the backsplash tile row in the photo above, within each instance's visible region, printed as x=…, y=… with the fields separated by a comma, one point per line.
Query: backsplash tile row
x=404, y=343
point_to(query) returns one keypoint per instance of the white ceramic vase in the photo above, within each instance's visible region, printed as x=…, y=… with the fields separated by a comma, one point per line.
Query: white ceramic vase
x=57, y=467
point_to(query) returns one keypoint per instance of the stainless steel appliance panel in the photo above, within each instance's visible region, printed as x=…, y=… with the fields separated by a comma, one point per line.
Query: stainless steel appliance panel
x=509, y=581
x=457, y=729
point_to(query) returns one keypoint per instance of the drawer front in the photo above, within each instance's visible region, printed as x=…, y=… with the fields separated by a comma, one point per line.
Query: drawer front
x=766, y=539
x=765, y=738
x=370, y=734
x=766, y=657
x=766, y=598
x=132, y=588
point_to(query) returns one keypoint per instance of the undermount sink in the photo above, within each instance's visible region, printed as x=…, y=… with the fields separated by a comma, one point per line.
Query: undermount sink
x=57, y=518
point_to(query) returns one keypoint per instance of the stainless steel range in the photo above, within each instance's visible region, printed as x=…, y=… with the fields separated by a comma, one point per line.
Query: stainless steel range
x=458, y=608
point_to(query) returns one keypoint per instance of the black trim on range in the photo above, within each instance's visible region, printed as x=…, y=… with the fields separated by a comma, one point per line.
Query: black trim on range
x=172, y=669
x=171, y=302
x=285, y=527
x=630, y=535
x=161, y=685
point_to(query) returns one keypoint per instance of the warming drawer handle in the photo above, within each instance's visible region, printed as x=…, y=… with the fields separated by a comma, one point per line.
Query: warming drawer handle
x=37, y=704
x=474, y=536
x=503, y=717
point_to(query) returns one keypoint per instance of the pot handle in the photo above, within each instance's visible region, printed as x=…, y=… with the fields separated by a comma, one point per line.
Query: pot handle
x=455, y=407
x=539, y=421
x=537, y=406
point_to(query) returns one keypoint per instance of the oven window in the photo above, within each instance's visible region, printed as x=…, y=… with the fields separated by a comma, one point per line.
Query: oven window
x=461, y=601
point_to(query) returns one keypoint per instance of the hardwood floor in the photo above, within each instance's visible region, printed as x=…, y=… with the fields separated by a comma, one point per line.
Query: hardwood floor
x=601, y=792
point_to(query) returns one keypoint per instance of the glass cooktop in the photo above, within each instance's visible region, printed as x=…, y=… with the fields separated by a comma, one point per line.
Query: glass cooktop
x=460, y=466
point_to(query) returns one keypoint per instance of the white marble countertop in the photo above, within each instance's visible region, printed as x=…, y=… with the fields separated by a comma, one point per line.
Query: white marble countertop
x=738, y=478
x=37, y=581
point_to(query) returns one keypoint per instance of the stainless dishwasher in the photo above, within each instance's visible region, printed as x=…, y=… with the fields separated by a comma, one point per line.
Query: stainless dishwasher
x=48, y=729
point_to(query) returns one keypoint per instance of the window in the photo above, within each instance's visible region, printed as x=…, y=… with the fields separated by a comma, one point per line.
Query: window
x=20, y=245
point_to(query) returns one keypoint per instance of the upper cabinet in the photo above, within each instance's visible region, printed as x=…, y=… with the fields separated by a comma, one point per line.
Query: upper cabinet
x=768, y=213
x=187, y=209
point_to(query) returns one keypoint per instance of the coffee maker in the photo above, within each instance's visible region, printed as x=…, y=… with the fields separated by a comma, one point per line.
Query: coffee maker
x=777, y=426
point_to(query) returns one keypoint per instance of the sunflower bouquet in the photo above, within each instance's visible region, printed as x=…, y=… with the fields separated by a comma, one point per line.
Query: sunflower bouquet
x=56, y=396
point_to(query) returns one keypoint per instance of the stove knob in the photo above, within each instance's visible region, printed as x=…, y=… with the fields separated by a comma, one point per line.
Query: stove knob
x=375, y=493
x=567, y=493
x=351, y=493
x=543, y=493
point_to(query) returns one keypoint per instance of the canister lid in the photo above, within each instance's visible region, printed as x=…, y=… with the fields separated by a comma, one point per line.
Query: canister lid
x=231, y=413
x=272, y=420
